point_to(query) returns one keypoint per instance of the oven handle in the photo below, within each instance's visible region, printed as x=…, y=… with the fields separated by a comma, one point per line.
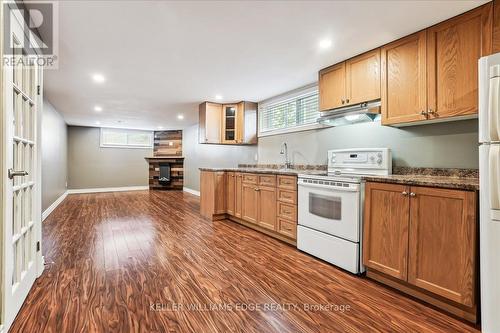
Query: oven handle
x=333, y=188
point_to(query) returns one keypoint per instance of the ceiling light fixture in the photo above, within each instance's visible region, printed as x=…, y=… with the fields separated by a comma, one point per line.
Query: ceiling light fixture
x=160, y=127
x=98, y=123
x=325, y=43
x=97, y=108
x=180, y=117
x=218, y=97
x=98, y=78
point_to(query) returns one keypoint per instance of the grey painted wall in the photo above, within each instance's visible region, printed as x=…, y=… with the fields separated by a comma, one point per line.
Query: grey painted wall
x=54, y=155
x=90, y=166
x=445, y=145
x=205, y=155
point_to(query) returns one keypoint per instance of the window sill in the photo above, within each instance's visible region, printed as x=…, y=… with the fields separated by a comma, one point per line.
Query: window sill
x=292, y=130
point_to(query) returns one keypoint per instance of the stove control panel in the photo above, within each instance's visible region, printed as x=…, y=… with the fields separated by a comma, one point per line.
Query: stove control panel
x=360, y=161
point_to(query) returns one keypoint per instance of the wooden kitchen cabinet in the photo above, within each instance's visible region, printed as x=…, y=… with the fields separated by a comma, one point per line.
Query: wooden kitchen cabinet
x=230, y=193
x=404, y=80
x=423, y=241
x=496, y=27
x=350, y=82
x=453, y=50
x=250, y=202
x=442, y=243
x=386, y=226
x=266, y=207
x=228, y=123
x=237, y=196
x=210, y=118
x=332, y=87
x=363, y=78
x=212, y=194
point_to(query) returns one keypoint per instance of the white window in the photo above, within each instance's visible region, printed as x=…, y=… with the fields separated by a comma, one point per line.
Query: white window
x=123, y=138
x=291, y=112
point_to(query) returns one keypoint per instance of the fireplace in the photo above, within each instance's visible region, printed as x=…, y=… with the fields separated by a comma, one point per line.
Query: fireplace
x=164, y=177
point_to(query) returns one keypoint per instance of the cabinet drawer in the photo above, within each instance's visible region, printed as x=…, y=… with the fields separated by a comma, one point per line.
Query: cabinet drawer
x=287, y=211
x=249, y=178
x=287, y=228
x=287, y=182
x=287, y=196
x=267, y=180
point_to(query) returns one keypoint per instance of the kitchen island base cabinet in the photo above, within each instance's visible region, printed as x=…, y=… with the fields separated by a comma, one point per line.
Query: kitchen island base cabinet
x=264, y=202
x=422, y=241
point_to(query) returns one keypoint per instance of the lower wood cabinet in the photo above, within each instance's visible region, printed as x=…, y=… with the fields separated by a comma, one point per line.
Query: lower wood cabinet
x=266, y=197
x=249, y=202
x=230, y=193
x=424, y=242
x=237, y=194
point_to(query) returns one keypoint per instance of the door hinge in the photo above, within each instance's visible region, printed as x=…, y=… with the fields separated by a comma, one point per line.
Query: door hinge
x=38, y=90
x=38, y=246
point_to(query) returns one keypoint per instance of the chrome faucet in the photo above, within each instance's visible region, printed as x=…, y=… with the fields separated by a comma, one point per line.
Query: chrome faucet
x=284, y=151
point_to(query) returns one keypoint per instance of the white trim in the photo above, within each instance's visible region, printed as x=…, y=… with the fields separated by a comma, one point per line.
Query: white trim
x=127, y=131
x=307, y=127
x=54, y=205
x=292, y=94
x=108, y=189
x=188, y=190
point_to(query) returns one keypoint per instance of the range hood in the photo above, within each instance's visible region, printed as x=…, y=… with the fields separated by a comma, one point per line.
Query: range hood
x=359, y=113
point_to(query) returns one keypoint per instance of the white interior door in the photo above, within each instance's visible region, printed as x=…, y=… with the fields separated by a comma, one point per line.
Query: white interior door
x=22, y=222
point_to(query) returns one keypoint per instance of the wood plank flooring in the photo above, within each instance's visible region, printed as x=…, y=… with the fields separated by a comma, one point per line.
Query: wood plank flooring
x=147, y=262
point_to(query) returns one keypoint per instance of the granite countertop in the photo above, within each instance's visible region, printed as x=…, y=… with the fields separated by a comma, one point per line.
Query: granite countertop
x=290, y=172
x=163, y=157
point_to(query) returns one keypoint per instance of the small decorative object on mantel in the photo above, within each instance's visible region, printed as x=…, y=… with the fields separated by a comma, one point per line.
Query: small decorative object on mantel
x=166, y=167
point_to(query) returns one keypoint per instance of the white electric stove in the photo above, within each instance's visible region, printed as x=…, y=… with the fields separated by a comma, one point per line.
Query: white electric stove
x=330, y=206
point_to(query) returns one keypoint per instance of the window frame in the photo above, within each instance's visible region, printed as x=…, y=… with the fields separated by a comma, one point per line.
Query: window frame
x=289, y=96
x=102, y=144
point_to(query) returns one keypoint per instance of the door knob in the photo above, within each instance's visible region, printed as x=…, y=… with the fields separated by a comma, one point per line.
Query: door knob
x=404, y=193
x=13, y=173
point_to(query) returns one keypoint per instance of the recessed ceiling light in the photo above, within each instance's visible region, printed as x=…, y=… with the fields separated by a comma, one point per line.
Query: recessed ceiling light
x=160, y=127
x=218, y=97
x=325, y=43
x=98, y=78
x=97, y=108
x=180, y=117
x=98, y=123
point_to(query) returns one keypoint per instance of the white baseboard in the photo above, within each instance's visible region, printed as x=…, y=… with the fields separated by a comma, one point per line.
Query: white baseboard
x=108, y=189
x=188, y=190
x=54, y=205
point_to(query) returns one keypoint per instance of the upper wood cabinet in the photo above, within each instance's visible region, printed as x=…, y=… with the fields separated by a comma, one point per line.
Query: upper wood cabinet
x=228, y=123
x=404, y=80
x=385, y=246
x=210, y=117
x=332, y=87
x=363, y=78
x=442, y=243
x=453, y=50
x=350, y=82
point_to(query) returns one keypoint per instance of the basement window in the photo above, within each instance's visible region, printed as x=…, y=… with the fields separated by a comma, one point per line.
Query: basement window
x=125, y=138
x=291, y=112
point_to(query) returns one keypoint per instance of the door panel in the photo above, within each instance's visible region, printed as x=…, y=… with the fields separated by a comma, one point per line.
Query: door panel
x=385, y=246
x=453, y=50
x=363, y=78
x=404, y=80
x=442, y=245
x=332, y=87
x=213, y=119
x=230, y=193
x=238, y=195
x=249, y=202
x=267, y=207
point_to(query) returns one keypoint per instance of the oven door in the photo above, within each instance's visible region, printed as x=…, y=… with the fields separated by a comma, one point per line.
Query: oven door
x=330, y=209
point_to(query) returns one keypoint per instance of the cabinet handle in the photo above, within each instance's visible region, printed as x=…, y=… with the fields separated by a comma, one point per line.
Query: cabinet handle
x=412, y=194
x=343, y=101
x=257, y=189
x=404, y=193
x=347, y=100
x=423, y=113
x=431, y=111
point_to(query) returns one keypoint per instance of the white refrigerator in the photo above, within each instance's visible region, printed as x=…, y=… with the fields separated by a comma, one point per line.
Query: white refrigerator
x=489, y=177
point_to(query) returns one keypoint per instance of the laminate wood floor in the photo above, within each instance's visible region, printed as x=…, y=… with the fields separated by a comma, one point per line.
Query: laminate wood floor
x=147, y=262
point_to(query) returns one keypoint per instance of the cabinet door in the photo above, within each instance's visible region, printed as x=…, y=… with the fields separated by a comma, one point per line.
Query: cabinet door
x=237, y=195
x=442, y=248
x=332, y=87
x=453, y=50
x=249, y=202
x=496, y=27
x=220, y=192
x=211, y=123
x=229, y=112
x=385, y=245
x=267, y=207
x=230, y=193
x=404, y=80
x=363, y=78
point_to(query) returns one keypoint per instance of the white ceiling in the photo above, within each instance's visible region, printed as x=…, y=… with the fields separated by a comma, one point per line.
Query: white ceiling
x=162, y=58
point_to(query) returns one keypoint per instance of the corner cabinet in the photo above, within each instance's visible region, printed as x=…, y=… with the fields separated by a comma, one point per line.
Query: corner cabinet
x=423, y=241
x=228, y=123
x=350, y=82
